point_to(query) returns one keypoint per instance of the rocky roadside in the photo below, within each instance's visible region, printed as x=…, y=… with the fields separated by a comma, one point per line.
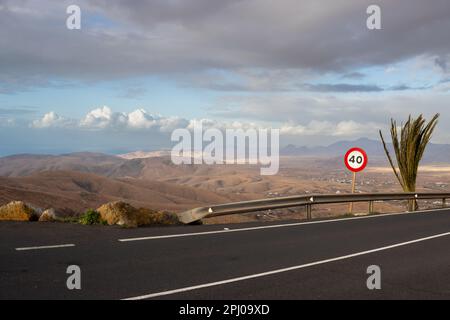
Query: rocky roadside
x=113, y=213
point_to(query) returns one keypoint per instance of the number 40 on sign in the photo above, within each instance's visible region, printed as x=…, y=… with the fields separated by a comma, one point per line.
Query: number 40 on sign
x=355, y=160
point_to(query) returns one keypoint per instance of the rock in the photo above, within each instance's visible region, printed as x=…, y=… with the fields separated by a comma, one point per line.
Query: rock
x=124, y=214
x=48, y=215
x=120, y=213
x=152, y=217
x=18, y=211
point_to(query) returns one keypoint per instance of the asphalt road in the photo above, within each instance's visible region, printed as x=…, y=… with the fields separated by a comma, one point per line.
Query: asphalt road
x=320, y=260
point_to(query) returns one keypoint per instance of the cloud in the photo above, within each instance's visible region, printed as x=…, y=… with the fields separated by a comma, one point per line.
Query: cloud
x=346, y=87
x=17, y=111
x=104, y=118
x=174, y=38
x=327, y=128
x=224, y=125
x=51, y=119
x=443, y=63
x=354, y=75
x=303, y=108
x=11, y=83
x=404, y=87
x=133, y=93
x=390, y=69
x=247, y=80
x=341, y=87
x=140, y=119
x=312, y=121
x=171, y=123
x=7, y=122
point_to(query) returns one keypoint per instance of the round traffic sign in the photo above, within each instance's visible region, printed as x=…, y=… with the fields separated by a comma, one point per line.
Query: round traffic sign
x=356, y=159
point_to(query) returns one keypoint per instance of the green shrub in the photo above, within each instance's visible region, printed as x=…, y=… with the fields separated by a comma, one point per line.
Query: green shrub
x=90, y=217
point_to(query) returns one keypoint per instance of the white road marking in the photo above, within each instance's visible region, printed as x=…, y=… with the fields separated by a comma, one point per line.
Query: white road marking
x=268, y=227
x=268, y=273
x=45, y=247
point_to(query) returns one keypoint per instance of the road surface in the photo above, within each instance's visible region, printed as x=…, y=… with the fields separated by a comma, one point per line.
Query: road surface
x=289, y=260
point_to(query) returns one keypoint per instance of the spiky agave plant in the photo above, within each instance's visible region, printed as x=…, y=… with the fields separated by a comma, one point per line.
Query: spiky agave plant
x=409, y=149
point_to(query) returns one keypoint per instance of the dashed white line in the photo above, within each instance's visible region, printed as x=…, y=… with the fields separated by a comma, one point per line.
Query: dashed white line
x=226, y=230
x=272, y=272
x=45, y=247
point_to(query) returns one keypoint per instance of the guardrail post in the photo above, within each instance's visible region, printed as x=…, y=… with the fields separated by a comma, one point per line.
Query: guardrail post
x=444, y=202
x=370, y=207
x=308, y=212
x=411, y=206
x=412, y=203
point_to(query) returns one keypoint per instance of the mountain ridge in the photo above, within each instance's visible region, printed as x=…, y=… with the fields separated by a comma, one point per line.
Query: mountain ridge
x=158, y=164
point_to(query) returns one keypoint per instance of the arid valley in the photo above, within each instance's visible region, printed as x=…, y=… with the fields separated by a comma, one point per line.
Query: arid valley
x=72, y=183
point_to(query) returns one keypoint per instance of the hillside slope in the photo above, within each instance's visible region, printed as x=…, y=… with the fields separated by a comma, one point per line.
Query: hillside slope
x=27, y=164
x=71, y=192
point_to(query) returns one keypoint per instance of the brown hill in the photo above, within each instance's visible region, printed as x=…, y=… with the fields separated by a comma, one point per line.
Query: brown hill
x=71, y=192
x=27, y=164
x=233, y=182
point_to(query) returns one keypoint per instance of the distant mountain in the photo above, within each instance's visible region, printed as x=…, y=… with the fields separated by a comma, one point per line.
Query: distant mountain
x=144, y=154
x=26, y=164
x=157, y=165
x=336, y=149
x=374, y=149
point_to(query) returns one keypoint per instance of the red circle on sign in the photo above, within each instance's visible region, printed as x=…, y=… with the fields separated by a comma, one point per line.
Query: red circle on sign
x=359, y=166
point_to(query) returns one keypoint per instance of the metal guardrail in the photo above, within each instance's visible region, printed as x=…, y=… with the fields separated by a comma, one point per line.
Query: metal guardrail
x=303, y=200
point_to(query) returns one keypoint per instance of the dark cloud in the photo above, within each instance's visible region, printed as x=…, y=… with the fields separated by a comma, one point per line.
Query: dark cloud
x=13, y=83
x=404, y=87
x=400, y=87
x=442, y=63
x=346, y=87
x=178, y=37
x=341, y=87
x=133, y=93
x=353, y=75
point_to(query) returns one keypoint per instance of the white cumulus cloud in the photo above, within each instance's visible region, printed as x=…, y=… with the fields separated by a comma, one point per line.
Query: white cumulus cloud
x=105, y=118
x=328, y=128
x=51, y=119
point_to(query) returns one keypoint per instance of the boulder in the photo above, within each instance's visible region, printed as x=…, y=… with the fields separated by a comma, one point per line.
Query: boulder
x=18, y=211
x=124, y=214
x=152, y=217
x=48, y=215
x=120, y=213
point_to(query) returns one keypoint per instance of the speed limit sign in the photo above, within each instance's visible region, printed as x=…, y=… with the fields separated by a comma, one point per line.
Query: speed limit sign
x=356, y=159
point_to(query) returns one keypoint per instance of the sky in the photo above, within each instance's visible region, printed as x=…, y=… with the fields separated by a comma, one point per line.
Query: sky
x=137, y=70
